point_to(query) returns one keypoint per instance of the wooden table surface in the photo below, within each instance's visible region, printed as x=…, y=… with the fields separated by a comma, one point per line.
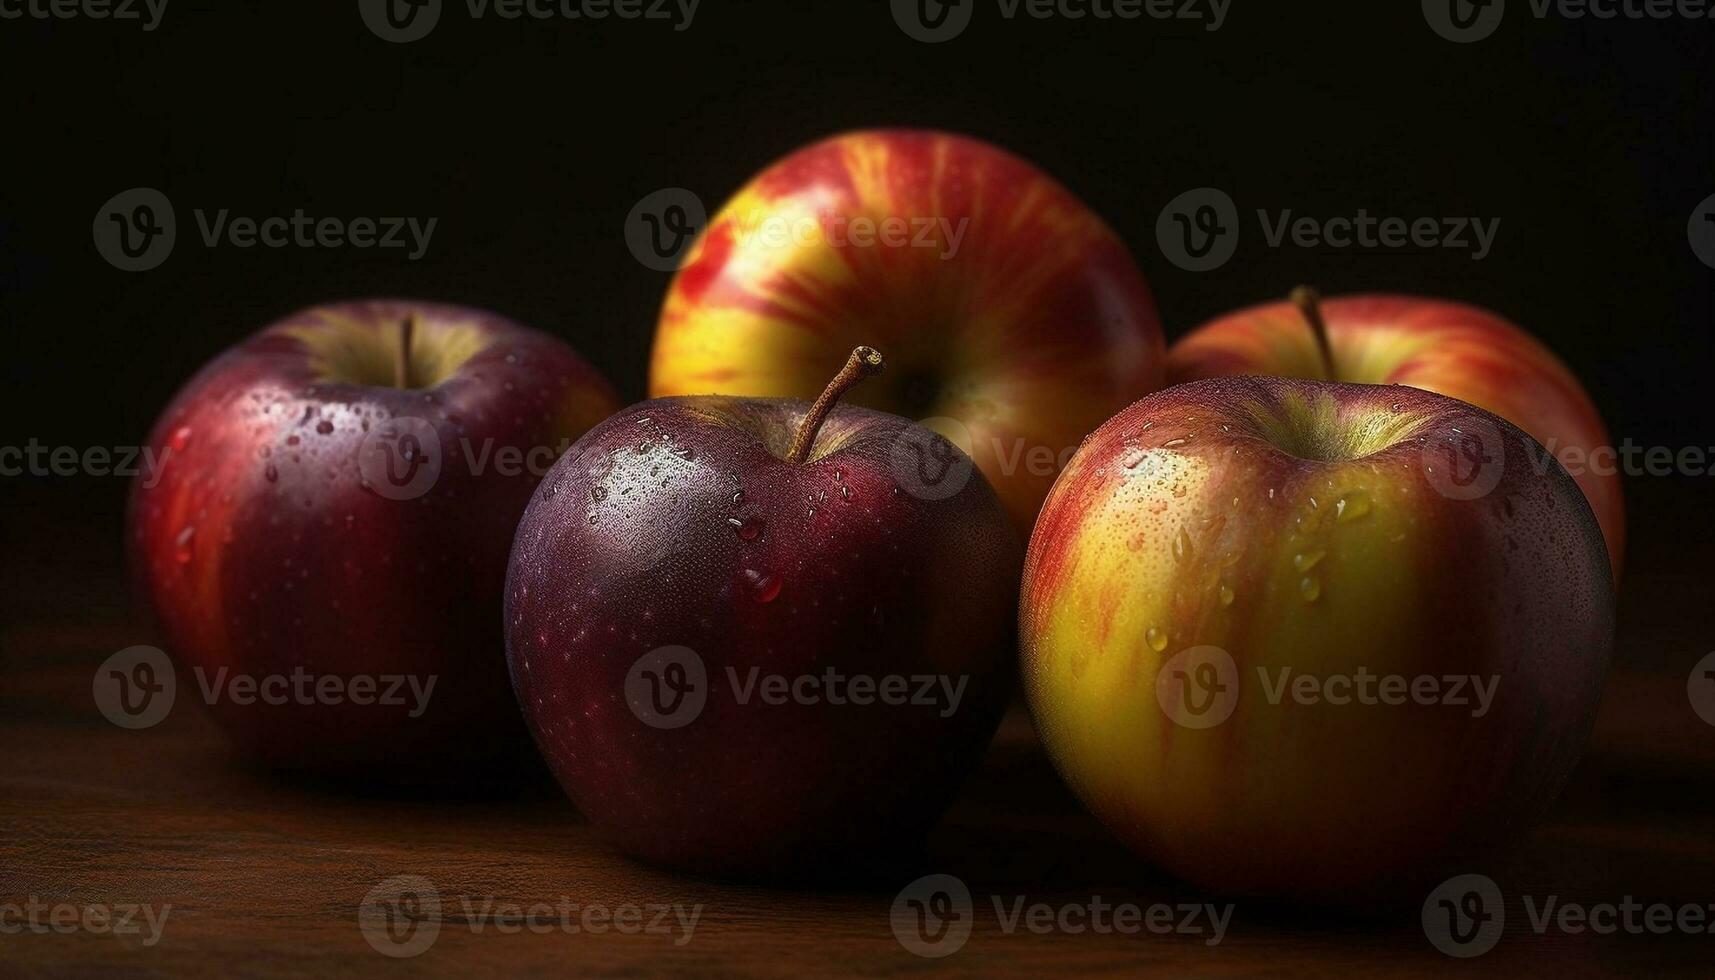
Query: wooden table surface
x=262, y=876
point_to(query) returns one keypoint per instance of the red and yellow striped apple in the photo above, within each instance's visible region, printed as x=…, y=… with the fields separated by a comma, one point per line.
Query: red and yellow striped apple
x=1457, y=350
x=1313, y=640
x=1013, y=318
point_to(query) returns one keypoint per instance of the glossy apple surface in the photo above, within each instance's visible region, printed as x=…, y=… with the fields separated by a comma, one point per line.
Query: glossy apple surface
x=1013, y=319
x=1453, y=349
x=313, y=516
x=680, y=524
x=1326, y=530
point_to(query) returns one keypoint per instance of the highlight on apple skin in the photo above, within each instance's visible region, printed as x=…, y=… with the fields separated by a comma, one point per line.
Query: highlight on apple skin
x=337, y=500
x=1453, y=349
x=682, y=558
x=1014, y=320
x=1225, y=562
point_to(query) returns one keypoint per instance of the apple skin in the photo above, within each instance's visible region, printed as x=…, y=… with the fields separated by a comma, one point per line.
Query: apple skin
x=678, y=522
x=1454, y=349
x=1033, y=330
x=263, y=547
x=1182, y=524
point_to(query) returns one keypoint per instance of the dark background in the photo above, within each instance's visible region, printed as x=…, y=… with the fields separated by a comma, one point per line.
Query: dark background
x=531, y=140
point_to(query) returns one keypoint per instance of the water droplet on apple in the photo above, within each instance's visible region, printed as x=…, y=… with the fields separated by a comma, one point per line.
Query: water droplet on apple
x=180, y=439
x=1310, y=588
x=324, y=427
x=1156, y=638
x=271, y=473
x=763, y=586
x=1307, y=560
x=598, y=493
x=1182, y=545
x=293, y=440
x=1352, y=505
x=1227, y=595
x=1172, y=443
x=182, y=545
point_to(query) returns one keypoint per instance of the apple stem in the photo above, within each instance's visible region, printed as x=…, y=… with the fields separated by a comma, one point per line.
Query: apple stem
x=864, y=362
x=402, y=356
x=1309, y=303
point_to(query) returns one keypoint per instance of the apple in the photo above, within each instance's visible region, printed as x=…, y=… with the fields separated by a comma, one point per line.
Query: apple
x=335, y=510
x=1013, y=318
x=1311, y=640
x=749, y=643
x=1460, y=351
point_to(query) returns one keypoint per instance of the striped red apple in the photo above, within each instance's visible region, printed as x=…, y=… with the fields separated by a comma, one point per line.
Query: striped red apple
x=1457, y=350
x=1286, y=639
x=1013, y=318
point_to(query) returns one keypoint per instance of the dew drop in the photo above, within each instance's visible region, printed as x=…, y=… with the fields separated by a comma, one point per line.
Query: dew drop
x=180, y=439
x=598, y=493
x=1182, y=545
x=1351, y=506
x=182, y=545
x=271, y=473
x=1226, y=595
x=1310, y=588
x=763, y=586
x=324, y=427
x=1156, y=639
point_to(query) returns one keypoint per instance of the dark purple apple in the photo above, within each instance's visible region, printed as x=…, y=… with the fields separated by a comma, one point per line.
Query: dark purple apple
x=336, y=502
x=754, y=638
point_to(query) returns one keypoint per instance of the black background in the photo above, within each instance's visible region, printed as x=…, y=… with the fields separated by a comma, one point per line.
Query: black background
x=530, y=141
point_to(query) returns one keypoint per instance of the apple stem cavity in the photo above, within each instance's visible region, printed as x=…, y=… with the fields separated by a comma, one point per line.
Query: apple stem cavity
x=864, y=362
x=402, y=356
x=1309, y=303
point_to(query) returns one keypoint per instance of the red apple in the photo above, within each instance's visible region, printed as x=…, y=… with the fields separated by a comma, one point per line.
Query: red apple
x=1311, y=640
x=747, y=645
x=1460, y=351
x=1013, y=317
x=331, y=510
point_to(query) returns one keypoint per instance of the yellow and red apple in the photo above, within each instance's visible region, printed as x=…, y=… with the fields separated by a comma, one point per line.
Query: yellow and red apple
x=1282, y=641
x=1451, y=348
x=1013, y=318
